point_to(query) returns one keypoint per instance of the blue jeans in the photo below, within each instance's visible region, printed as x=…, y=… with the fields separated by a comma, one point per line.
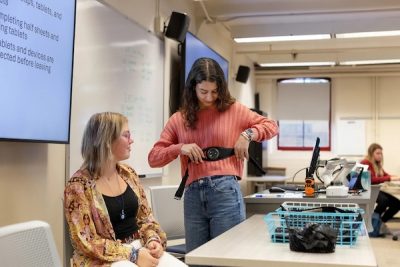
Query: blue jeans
x=212, y=205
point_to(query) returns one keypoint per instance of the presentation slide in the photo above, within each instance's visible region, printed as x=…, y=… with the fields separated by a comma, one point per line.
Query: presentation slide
x=36, y=54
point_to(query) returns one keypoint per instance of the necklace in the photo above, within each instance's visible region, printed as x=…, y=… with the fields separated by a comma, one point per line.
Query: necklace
x=119, y=199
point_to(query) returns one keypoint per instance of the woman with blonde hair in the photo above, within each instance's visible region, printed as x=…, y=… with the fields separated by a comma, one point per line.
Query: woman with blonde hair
x=109, y=219
x=387, y=205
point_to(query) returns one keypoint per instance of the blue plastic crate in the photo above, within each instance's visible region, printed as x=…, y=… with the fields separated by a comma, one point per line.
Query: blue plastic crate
x=297, y=215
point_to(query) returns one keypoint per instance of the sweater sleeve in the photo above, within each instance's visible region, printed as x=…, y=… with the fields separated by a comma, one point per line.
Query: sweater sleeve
x=167, y=148
x=374, y=178
x=265, y=127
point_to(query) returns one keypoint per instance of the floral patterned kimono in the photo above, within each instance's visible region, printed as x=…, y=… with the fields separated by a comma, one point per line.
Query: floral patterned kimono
x=91, y=231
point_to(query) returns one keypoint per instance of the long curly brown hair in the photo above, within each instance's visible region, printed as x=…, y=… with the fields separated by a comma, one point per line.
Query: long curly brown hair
x=204, y=69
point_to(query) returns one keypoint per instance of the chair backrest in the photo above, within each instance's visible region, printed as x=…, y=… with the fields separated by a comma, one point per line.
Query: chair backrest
x=167, y=210
x=28, y=244
x=375, y=188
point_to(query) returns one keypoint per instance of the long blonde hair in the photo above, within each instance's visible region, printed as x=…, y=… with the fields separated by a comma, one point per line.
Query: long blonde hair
x=377, y=165
x=100, y=132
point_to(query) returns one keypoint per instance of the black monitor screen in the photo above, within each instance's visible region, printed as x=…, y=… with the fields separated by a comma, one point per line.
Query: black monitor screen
x=192, y=49
x=195, y=48
x=314, y=159
x=36, y=52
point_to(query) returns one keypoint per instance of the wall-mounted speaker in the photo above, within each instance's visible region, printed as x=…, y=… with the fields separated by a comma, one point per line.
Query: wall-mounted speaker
x=242, y=74
x=177, y=26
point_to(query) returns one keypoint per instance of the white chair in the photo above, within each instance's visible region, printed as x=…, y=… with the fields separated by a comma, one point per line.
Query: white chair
x=169, y=214
x=28, y=244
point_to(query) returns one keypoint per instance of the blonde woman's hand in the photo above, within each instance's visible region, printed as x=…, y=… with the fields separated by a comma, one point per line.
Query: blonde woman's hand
x=145, y=259
x=155, y=249
x=193, y=151
x=242, y=148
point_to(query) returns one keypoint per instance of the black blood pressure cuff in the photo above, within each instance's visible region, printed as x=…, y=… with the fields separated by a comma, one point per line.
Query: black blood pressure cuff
x=213, y=154
x=217, y=153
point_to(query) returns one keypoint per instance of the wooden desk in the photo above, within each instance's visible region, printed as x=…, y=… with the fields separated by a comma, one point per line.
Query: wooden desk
x=249, y=245
x=264, y=202
x=266, y=179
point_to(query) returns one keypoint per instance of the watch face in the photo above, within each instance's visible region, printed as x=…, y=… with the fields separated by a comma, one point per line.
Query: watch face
x=249, y=132
x=212, y=153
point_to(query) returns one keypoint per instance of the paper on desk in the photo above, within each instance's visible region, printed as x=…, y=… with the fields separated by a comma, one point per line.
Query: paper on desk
x=394, y=183
x=167, y=260
x=279, y=195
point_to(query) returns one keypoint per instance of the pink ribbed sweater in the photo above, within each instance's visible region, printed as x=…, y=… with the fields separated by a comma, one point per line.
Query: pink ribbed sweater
x=213, y=128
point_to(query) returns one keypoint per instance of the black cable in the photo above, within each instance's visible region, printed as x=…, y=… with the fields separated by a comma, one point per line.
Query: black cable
x=317, y=174
x=294, y=175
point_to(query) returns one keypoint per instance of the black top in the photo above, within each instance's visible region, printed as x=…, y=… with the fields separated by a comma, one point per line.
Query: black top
x=127, y=204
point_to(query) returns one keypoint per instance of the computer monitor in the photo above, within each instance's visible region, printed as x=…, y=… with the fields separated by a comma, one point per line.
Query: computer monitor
x=314, y=159
x=354, y=178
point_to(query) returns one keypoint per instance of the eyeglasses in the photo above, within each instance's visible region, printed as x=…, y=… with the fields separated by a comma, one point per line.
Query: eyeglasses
x=127, y=135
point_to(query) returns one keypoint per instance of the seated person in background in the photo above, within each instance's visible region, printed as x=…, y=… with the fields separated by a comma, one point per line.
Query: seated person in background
x=387, y=205
x=108, y=215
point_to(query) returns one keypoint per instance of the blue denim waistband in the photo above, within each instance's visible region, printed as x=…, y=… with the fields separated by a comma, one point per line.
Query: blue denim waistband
x=213, y=177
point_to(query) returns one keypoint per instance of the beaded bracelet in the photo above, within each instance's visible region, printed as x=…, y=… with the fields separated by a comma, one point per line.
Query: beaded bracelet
x=153, y=239
x=134, y=255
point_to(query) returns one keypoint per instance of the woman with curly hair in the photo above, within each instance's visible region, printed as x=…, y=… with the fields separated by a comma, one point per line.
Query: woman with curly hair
x=210, y=118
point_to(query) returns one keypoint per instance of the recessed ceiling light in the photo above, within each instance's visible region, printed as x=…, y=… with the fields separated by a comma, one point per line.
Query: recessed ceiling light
x=367, y=34
x=370, y=62
x=298, y=64
x=283, y=38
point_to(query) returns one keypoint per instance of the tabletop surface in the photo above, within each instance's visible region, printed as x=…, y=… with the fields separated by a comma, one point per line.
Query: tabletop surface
x=266, y=197
x=267, y=178
x=248, y=244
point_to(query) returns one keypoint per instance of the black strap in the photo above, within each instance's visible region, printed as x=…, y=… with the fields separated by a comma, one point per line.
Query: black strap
x=181, y=188
x=212, y=154
x=255, y=163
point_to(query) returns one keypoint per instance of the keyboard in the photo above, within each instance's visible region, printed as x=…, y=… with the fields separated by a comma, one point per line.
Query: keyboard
x=290, y=187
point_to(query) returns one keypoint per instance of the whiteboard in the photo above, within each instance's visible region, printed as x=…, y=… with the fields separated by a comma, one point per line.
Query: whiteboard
x=118, y=66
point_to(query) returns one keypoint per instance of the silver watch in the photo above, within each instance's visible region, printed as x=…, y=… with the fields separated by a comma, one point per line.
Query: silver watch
x=249, y=132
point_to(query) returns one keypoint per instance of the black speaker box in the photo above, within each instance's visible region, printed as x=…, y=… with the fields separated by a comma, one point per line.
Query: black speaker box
x=242, y=74
x=177, y=26
x=255, y=150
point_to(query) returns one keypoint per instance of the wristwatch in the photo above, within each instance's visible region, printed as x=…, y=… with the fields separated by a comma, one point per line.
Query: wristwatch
x=248, y=134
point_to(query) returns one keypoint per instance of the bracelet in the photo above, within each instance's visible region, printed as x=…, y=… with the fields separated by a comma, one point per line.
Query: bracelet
x=134, y=255
x=246, y=136
x=153, y=239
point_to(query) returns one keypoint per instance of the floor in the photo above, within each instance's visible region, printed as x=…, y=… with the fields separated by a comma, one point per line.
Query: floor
x=387, y=251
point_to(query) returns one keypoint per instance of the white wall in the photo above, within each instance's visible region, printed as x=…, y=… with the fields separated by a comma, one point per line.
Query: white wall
x=371, y=98
x=32, y=176
x=31, y=185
